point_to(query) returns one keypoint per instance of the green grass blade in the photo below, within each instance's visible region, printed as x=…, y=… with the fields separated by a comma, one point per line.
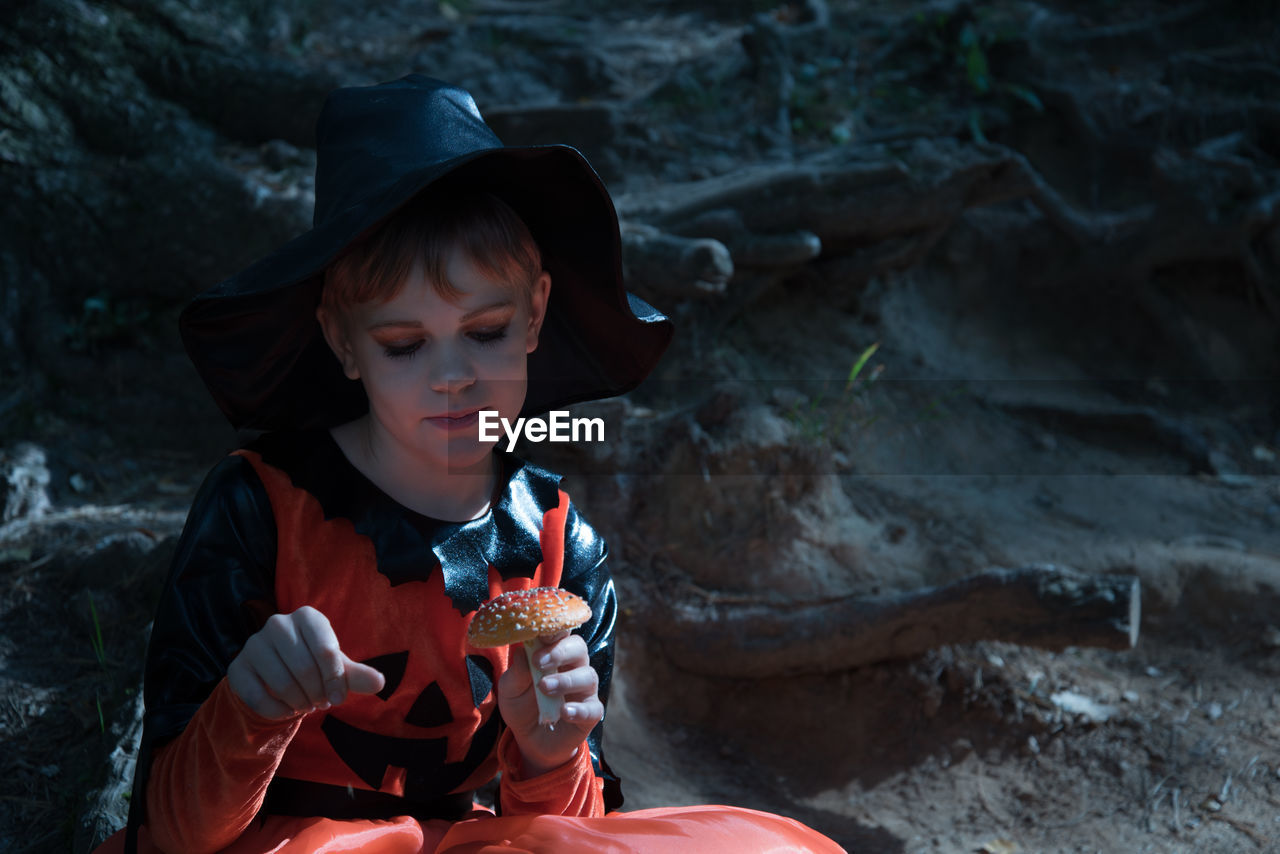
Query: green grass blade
x=1026, y=95
x=860, y=364
x=99, y=648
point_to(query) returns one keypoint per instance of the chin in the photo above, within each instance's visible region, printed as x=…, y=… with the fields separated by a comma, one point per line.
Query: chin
x=464, y=458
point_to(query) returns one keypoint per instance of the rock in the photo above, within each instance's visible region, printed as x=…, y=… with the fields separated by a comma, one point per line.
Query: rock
x=1074, y=703
x=26, y=476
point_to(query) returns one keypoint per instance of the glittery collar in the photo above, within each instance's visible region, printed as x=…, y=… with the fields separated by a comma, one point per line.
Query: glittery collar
x=410, y=546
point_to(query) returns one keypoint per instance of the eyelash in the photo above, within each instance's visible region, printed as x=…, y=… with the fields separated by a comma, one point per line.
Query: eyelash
x=483, y=337
x=403, y=351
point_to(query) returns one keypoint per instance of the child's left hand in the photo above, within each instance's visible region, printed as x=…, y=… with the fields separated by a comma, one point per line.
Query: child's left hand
x=570, y=675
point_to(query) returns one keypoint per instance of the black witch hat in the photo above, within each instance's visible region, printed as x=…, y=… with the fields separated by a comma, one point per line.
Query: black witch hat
x=254, y=337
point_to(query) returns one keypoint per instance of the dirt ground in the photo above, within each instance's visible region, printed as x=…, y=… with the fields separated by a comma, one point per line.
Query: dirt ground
x=983, y=442
x=1172, y=746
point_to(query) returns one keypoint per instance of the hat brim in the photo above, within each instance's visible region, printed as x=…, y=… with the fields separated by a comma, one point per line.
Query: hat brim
x=257, y=346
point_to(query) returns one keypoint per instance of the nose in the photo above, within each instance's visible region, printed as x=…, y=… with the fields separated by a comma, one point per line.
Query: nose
x=451, y=370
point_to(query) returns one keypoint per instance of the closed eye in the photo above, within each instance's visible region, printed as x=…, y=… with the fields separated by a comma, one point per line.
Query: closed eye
x=489, y=336
x=402, y=351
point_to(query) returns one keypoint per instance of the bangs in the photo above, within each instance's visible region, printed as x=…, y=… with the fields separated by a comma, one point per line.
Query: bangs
x=425, y=231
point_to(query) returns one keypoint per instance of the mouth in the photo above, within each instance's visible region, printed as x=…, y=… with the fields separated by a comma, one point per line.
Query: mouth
x=456, y=421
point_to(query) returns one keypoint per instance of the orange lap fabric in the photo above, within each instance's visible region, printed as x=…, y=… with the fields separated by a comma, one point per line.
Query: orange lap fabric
x=705, y=829
x=293, y=835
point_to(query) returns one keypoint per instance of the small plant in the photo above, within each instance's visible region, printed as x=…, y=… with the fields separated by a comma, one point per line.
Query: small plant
x=820, y=418
x=971, y=52
x=100, y=653
x=95, y=639
x=967, y=42
x=861, y=362
x=824, y=102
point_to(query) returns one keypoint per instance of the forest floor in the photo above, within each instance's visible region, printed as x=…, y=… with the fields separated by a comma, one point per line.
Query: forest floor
x=1173, y=746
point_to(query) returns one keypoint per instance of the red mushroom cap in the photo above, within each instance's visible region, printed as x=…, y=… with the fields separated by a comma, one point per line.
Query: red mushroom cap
x=523, y=615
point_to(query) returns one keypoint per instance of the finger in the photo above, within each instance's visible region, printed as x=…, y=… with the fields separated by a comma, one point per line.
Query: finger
x=588, y=712
x=300, y=654
x=304, y=669
x=577, y=684
x=361, y=678
x=516, y=679
x=324, y=682
x=276, y=677
x=570, y=651
x=246, y=685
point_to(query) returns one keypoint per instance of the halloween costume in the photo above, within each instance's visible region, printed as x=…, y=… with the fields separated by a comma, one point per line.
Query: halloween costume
x=288, y=521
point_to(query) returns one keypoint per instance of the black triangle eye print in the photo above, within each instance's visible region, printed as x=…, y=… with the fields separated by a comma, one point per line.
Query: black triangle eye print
x=392, y=667
x=480, y=671
x=430, y=709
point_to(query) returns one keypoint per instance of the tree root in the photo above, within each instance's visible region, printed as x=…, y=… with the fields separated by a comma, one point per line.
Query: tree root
x=1045, y=606
x=668, y=264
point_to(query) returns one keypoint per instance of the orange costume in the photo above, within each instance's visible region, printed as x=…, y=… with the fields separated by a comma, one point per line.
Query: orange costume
x=290, y=522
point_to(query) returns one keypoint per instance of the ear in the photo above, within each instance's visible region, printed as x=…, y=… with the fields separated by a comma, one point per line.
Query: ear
x=538, y=297
x=335, y=335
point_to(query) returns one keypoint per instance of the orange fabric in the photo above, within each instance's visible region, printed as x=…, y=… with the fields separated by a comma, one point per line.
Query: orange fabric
x=290, y=835
x=571, y=789
x=705, y=829
x=198, y=802
x=208, y=783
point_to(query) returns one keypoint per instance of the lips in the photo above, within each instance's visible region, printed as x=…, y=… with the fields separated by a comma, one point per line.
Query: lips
x=456, y=421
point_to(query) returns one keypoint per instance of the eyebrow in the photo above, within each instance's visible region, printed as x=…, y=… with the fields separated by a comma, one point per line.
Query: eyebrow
x=393, y=324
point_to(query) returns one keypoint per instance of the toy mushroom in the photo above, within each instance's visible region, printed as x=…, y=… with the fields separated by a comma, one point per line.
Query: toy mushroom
x=522, y=616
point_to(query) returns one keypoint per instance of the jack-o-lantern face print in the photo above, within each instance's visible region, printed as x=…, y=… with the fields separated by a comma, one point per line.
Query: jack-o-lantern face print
x=429, y=774
x=388, y=579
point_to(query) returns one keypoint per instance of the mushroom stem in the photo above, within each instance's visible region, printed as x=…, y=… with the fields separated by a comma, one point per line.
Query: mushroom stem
x=548, y=707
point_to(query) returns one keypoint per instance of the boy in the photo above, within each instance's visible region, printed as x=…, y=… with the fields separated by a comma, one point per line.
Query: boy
x=308, y=684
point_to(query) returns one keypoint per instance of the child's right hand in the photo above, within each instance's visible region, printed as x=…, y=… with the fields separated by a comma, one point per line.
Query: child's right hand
x=294, y=665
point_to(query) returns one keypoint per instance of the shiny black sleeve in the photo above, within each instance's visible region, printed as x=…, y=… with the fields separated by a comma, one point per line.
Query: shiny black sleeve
x=219, y=591
x=586, y=574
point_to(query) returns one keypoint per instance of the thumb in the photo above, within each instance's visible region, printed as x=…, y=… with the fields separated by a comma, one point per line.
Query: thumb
x=361, y=678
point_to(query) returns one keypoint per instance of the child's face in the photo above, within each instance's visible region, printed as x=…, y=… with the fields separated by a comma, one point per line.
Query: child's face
x=429, y=365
